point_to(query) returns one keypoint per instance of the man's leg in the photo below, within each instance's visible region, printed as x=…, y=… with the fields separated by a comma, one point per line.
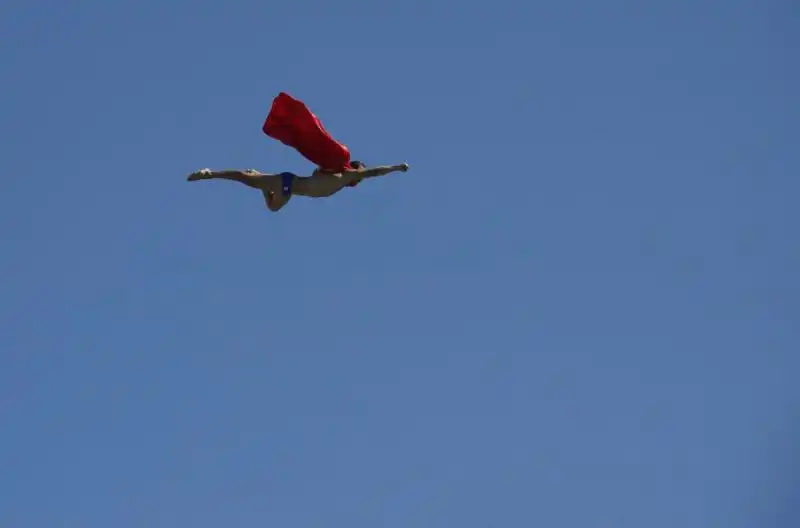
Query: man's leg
x=253, y=179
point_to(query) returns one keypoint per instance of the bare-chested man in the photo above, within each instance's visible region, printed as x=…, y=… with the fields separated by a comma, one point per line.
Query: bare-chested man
x=279, y=188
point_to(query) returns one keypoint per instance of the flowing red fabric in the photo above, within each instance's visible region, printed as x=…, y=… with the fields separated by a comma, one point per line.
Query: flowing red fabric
x=293, y=124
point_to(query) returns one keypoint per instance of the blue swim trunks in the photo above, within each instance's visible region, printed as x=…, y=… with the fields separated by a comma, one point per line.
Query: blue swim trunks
x=287, y=179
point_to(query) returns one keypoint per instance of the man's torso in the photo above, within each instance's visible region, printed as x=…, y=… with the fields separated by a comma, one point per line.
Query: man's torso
x=321, y=184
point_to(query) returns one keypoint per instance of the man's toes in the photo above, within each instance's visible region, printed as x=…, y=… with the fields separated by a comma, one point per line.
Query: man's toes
x=202, y=174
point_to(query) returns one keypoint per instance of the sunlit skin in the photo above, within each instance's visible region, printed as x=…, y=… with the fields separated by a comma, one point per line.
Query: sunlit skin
x=321, y=184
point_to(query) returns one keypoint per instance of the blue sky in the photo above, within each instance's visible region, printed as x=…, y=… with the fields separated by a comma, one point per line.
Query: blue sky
x=580, y=307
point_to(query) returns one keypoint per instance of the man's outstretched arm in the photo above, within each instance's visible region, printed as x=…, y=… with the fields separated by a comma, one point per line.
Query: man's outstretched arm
x=381, y=170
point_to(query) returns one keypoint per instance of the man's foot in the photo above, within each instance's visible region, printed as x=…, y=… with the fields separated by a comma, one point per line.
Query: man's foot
x=202, y=174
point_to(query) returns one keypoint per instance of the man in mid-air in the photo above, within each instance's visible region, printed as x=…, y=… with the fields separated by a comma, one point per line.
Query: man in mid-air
x=279, y=188
x=293, y=124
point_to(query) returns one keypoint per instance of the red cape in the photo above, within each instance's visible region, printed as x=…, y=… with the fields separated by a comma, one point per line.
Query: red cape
x=293, y=124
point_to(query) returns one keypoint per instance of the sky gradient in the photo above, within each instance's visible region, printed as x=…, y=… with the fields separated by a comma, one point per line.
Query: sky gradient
x=577, y=308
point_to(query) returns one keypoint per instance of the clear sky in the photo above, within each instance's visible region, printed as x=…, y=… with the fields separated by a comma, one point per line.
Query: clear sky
x=579, y=308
